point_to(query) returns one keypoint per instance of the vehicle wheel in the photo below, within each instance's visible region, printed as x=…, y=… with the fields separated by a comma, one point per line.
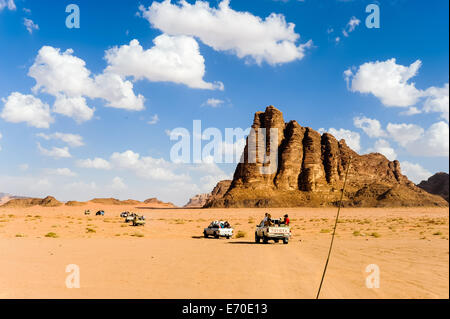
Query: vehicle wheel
x=228, y=237
x=265, y=239
x=285, y=241
x=257, y=238
x=216, y=235
x=276, y=240
x=205, y=234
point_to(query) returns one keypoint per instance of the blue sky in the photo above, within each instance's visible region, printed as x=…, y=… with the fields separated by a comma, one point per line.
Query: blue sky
x=393, y=98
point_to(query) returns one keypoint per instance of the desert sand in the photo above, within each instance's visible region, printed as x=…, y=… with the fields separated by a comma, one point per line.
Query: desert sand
x=169, y=258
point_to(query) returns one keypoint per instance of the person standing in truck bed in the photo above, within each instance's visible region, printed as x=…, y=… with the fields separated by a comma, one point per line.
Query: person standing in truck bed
x=286, y=220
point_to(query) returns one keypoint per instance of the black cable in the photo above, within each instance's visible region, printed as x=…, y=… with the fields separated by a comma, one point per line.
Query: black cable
x=335, y=225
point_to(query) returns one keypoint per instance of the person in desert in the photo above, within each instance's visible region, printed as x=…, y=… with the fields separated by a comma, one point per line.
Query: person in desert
x=286, y=220
x=268, y=220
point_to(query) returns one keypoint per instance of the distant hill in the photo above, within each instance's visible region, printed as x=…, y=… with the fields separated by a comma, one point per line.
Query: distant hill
x=5, y=197
x=157, y=203
x=437, y=184
x=48, y=201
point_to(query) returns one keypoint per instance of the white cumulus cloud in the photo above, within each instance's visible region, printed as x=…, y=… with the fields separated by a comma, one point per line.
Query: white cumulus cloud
x=353, y=139
x=30, y=25
x=66, y=77
x=415, y=172
x=174, y=59
x=73, y=140
x=386, y=80
x=154, y=120
x=213, y=102
x=9, y=4
x=147, y=167
x=55, y=152
x=432, y=142
x=118, y=183
x=390, y=82
x=371, y=127
x=437, y=101
x=383, y=147
x=404, y=134
x=351, y=26
x=272, y=39
x=26, y=108
x=74, y=107
x=96, y=163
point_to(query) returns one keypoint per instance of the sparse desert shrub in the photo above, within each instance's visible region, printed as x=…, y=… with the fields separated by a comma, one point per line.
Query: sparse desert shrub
x=51, y=235
x=375, y=235
x=241, y=234
x=357, y=233
x=137, y=234
x=251, y=220
x=438, y=233
x=179, y=221
x=90, y=230
x=20, y=235
x=325, y=231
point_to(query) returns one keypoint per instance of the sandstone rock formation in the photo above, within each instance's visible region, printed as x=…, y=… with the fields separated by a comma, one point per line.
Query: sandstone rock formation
x=158, y=204
x=201, y=200
x=5, y=197
x=48, y=201
x=75, y=203
x=437, y=184
x=198, y=201
x=219, y=191
x=311, y=169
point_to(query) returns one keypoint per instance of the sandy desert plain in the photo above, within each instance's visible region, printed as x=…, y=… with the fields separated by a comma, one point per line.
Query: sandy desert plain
x=169, y=258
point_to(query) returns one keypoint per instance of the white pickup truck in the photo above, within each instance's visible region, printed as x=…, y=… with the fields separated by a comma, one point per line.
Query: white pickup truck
x=275, y=232
x=217, y=230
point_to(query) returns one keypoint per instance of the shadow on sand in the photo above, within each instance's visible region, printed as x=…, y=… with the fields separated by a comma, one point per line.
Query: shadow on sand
x=210, y=237
x=243, y=243
x=166, y=208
